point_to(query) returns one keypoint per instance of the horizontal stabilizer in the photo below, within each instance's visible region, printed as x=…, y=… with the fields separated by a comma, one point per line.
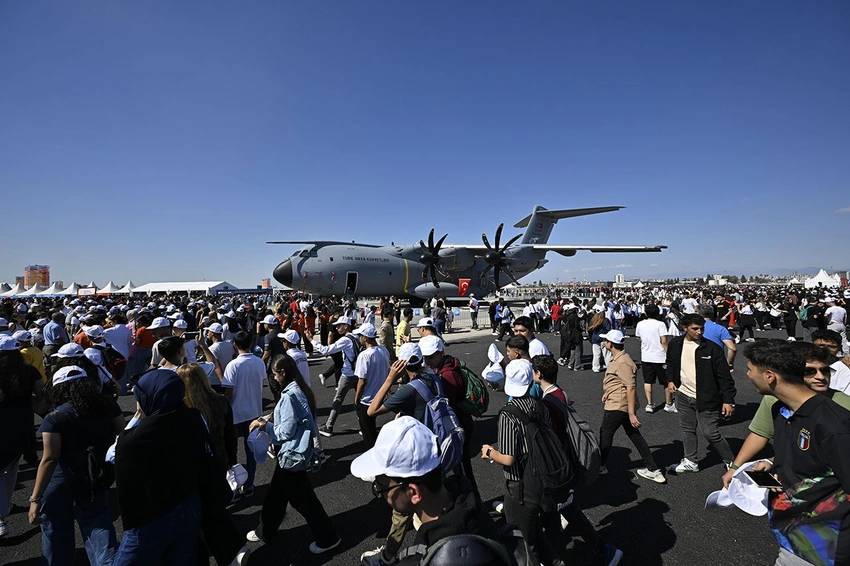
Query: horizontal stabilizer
x=570, y=250
x=556, y=215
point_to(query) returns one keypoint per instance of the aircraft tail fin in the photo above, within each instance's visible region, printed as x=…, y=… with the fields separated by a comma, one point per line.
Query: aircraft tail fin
x=540, y=222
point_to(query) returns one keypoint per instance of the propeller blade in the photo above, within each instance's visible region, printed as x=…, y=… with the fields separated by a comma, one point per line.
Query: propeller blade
x=496, y=276
x=486, y=242
x=440, y=243
x=499, y=234
x=431, y=239
x=433, y=271
x=511, y=241
x=486, y=270
x=424, y=247
x=510, y=274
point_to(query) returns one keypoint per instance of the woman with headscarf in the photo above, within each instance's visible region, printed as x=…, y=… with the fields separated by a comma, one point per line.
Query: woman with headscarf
x=160, y=466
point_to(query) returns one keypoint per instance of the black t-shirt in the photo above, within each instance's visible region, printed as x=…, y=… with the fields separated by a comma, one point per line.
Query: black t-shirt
x=407, y=401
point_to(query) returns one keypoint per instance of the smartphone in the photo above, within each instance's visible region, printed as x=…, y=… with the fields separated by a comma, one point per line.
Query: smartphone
x=763, y=479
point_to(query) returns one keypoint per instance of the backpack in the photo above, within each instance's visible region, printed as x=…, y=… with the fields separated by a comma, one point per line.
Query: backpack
x=442, y=421
x=547, y=475
x=357, y=348
x=583, y=446
x=84, y=446
x=803, y=314
x=461, y=548
x=477, y=398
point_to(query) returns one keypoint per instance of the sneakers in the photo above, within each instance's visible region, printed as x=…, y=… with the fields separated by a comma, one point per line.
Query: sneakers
x=791, y=339
x=562, y=362
x=611, y=556
x=316, y=549
x=652, y=475
x=650, y=408
x=498, y=507
x=4, y=528
x=686, y=466
x=253, y=537
x=670, y=408
x=325, y=430
x=737, y=339
x=373, y=557
x=751, y=339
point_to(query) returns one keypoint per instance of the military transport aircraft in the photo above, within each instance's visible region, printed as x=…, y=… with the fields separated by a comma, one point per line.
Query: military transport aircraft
x=422, y=271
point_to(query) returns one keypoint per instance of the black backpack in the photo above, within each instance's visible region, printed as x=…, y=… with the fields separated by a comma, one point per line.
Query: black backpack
x=548, y=470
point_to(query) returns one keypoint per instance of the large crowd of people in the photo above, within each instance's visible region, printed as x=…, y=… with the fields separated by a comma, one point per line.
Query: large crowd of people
x=198, y=369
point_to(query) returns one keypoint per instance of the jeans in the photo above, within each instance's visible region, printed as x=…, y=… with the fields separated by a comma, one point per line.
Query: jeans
x=58, y=513
x=170, y=539
x=8, y=478
x=250, y=462
x=611, y=421
x=690, y=419
x=345, y=384
x=599, y=361
x=540, y=529
x=474, y=316
x=575, y=357
x=368, y=425
x=295, y=488
x=440, y=327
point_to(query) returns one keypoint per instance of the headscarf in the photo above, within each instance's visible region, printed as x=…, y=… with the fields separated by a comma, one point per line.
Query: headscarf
x=159, y=391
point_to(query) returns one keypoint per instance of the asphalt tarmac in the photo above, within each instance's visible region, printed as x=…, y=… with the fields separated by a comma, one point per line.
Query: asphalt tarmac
x=652, y=523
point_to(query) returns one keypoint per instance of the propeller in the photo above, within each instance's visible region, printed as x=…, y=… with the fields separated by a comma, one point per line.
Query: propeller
x=430, y=257
x=495, y=256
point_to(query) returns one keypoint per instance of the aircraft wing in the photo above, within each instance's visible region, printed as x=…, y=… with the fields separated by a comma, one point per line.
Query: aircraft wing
x=325, y=243
x=570, y=250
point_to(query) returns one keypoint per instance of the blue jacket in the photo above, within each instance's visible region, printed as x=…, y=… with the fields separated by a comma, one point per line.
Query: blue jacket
x=293, y=428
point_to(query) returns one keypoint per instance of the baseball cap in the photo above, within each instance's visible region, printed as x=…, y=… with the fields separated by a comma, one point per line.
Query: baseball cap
x=410, y=351
x=614, y=336
x=290, y=336
x=431, y=344
x=518, y=378
x=22, y=336
x=159, y=322
x=269, y=319
x=405, y=448
x=68, y=373
x=425, y=322
x=95, y=331
x=368, y=330
x=180, y=324
x=215, y=328
x=342, y=320
x=71, y=350
x=8, y=343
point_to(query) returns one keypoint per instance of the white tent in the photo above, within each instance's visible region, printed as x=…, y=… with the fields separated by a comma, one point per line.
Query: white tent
x=18, y=288
x=793, y=281
x=51, y=291
x=639, y=285
x=822, y=279
x=34, y=290
x=92, y=284
x=4, y=287
x=126, y=289
x=207, y=287
x=72, y=290
x=108, y=289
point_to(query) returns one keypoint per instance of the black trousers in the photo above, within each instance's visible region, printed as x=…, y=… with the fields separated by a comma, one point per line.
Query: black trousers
x=505, y=329
x=611, y=421
x=295, y=488
x=540, y=528
x=368, y=426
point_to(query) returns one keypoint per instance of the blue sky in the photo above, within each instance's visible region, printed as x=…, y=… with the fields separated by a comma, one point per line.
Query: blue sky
x=169, y=140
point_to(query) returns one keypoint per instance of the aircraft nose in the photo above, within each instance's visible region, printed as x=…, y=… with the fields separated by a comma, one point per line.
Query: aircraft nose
x=283, y=273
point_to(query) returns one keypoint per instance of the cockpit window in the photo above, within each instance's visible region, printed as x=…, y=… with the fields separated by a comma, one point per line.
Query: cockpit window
x=304, y=253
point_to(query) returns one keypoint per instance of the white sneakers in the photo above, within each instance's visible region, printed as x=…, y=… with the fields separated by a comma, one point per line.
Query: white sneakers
x=686, y=466
x=316, y=549
x=652, y=475
x=671, y=408
x=649, y=408
x=241, y=557
x=253, y=537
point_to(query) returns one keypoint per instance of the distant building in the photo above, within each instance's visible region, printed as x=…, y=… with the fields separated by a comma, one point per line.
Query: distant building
x=37, y=274
x=619, y=279
x=265, y=283
x=717, y=281
x=19, y=280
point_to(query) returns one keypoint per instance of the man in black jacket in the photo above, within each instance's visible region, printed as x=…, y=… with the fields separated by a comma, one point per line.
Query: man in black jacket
x=697, y=371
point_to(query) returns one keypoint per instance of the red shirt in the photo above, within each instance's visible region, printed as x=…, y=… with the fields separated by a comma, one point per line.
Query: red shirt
x=144, y=338
x=555, y=400
x=556, y=311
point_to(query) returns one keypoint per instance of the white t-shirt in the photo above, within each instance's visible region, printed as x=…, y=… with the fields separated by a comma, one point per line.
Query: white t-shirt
x=373, y=365
x=301, y=361
x=689, y=305
x=840, y=379
x=191, y=349
x=650, y=332
x=245, y=375
x=836, y=314
x=537, y=348
x=119, y=337
x=223, y=352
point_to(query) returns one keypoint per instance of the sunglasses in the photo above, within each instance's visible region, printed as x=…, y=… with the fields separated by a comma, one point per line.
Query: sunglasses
x=810, y=371
x=380, y=491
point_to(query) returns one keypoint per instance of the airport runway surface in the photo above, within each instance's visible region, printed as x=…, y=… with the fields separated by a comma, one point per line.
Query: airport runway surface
x=652, y=523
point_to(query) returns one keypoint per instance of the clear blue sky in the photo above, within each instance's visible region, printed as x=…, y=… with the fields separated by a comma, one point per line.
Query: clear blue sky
x=169, y=140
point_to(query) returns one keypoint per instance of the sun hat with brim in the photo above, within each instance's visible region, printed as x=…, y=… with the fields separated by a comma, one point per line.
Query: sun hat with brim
x=215, y=328
x=411, y=353
x=180, y=324
x=342, y=320
x=22, y=336
x=290, y=336
x=270, y=320
x=405, y=448
x=159, y=322
x=7, y=344
x=71, y=350
x=68, y=373
x=426, y=322
x=368, y=330
x=518, y=378
x=614, y=336
x=431, y=345
x=95, y=331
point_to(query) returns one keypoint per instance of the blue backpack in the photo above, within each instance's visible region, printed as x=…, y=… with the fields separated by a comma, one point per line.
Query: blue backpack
x=442, y=420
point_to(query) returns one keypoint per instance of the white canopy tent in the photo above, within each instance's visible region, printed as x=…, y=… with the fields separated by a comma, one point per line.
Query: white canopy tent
x=207, y=287
x=108, y=289
x=639, y=285
x=34, y=290
x=822, y=279
x=92, y=284
x=72, y=290
x=793, y=281
x=126, y=289
x=18, y=288
x=53, y=291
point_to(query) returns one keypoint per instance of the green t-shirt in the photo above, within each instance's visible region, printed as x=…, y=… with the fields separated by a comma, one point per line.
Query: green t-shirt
x=762, y=423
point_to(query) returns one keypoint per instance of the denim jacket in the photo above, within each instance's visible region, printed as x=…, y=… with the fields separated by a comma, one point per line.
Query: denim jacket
x=294, y=429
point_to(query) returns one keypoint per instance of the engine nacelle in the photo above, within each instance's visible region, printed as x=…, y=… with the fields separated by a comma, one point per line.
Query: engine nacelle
x=429, y=291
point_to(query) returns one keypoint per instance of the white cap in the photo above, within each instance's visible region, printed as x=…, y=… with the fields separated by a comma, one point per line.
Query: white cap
x=159, y=322
x=368, y=330
x=95, y=331
x=424, y=322
x=410, y=352
x=71, y=350
x=8, y=343
x=290, y=336
x=431, y=344
x=68, y=373
x=22, y=336
x=230, y=314
x=94, y=356
x=269, y=319
x=614, y=336
x=4, y=322
x=180, y=324
x=405, y=448
x=215, y=328
x=518, y=377
x=342, y=320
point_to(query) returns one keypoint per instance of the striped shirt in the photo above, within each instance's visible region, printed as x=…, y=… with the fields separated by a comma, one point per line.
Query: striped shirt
x=511, y=439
